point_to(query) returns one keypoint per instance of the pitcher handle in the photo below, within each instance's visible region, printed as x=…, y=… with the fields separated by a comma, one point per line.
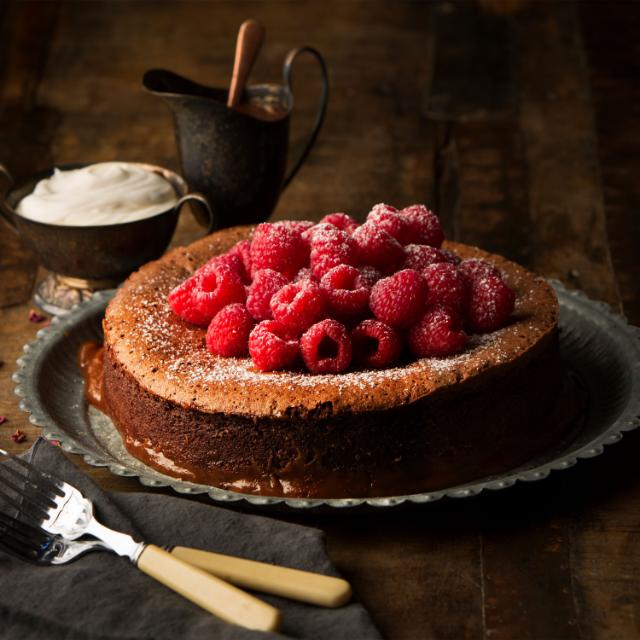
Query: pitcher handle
x=202, y=210
x=322, y=109
x=6, y=182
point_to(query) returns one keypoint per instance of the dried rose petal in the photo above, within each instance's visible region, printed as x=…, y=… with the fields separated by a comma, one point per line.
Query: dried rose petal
x=36, y=317
x=18, y=436
x=3, y=419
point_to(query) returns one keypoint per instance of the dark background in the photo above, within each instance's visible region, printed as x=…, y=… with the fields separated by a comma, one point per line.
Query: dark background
x=518, y=122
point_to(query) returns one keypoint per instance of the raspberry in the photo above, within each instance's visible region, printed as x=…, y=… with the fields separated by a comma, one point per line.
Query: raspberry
x=231, y=260
x=298, y=305
x=299, y=226
x=327, y=235
x=202, y=295
x=376, y=344
x=424, y=226
x=475, y=269
x=329, y=248
x=369, y=275
x=450, y=256
x=447, y=285
x=437, y=333
x=35, y=317
x=307, y=235
x=279, y=247
x=491, y=302
x=377, y=248
x=326, y=347
x=386, y=217
x=342, y=221
x=271, y=347
x=383, y=208
x=347, y=295
x=305, y=274
x=243, y=249
x=419, y=256
x=399, y=299
x=228, y=332
x=265, y=283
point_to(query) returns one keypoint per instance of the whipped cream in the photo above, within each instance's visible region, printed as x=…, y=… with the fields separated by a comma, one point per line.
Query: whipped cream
x=99, y=194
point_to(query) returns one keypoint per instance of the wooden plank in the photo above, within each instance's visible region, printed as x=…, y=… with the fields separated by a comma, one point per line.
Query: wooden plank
x=494, y=176
x=565, y=188
x=492, y=208
x=607, y=547
x=480, y=192
x=417, y=579
x=534, y=586
x=473, y=77
x=17, y=269
x=25, y=128
x=611, y=35
x=15, y=330
x=528, y=582
x=535, y=591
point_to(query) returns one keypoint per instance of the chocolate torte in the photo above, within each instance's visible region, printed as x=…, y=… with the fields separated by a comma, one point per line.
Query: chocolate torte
x=418, y=426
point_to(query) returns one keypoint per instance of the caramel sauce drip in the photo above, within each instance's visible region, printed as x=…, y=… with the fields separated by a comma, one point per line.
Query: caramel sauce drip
x=298, y=481
x=90, y=360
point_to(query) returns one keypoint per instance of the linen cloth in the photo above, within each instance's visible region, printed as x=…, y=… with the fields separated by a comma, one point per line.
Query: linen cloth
x=102, y=596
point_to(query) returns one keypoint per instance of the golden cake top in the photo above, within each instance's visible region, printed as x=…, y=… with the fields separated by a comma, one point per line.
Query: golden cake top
x=168, y=356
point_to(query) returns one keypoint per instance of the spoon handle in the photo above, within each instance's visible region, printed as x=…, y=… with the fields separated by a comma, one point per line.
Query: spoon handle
x=250, y=39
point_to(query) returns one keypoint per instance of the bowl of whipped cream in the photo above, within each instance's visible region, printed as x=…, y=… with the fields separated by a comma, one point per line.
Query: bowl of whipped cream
x=98, y=221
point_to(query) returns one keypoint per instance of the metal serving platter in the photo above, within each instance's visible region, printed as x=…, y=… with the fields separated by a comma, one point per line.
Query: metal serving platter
x=600, y=347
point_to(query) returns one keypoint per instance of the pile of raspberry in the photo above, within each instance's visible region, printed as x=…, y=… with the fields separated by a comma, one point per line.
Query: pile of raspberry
x=338, y=295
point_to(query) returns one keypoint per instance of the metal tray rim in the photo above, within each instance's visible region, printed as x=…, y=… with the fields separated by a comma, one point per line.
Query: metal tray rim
x=25, y=378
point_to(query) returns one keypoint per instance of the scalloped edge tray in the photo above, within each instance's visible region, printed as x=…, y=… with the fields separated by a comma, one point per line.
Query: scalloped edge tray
x=600, y=346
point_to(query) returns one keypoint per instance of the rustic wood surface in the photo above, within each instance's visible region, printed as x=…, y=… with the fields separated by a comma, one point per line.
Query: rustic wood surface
x=517, y=120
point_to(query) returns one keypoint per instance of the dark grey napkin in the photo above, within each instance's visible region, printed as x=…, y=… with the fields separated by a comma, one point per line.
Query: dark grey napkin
x=102, y=596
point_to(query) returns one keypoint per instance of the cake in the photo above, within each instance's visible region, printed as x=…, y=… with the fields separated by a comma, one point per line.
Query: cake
x=418, y=425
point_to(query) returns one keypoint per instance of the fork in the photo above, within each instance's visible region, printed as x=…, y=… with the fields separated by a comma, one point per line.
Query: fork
x=44, y=504
x=295, y=584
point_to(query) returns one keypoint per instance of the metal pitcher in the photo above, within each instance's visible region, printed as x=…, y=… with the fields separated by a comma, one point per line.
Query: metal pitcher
x=237, y=160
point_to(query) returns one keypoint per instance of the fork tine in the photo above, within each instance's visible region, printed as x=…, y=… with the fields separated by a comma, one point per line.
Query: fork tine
x=29, y=489
x=28, y=478
x=36, y=513
x=53, y=484
x=50, y=482
x=22, y=540
x=26, y=532
x=32, y=475
x=37, y=499
x=15, y=545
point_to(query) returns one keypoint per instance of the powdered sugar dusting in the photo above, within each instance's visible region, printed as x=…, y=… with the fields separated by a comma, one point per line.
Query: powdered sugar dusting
x=170, y=357
x=184, y=358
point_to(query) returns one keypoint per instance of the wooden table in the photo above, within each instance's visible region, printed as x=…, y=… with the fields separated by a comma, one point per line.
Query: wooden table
x=517, y=121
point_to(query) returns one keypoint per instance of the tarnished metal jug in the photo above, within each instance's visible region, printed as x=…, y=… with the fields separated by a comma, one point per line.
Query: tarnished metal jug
x=236, y=157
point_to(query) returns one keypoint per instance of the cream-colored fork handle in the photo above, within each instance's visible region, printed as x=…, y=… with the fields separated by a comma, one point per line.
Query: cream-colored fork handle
x=305, y=586
x=209, y=592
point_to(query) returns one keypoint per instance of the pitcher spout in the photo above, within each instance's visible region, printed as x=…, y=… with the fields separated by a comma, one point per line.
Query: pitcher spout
x=172, y=86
